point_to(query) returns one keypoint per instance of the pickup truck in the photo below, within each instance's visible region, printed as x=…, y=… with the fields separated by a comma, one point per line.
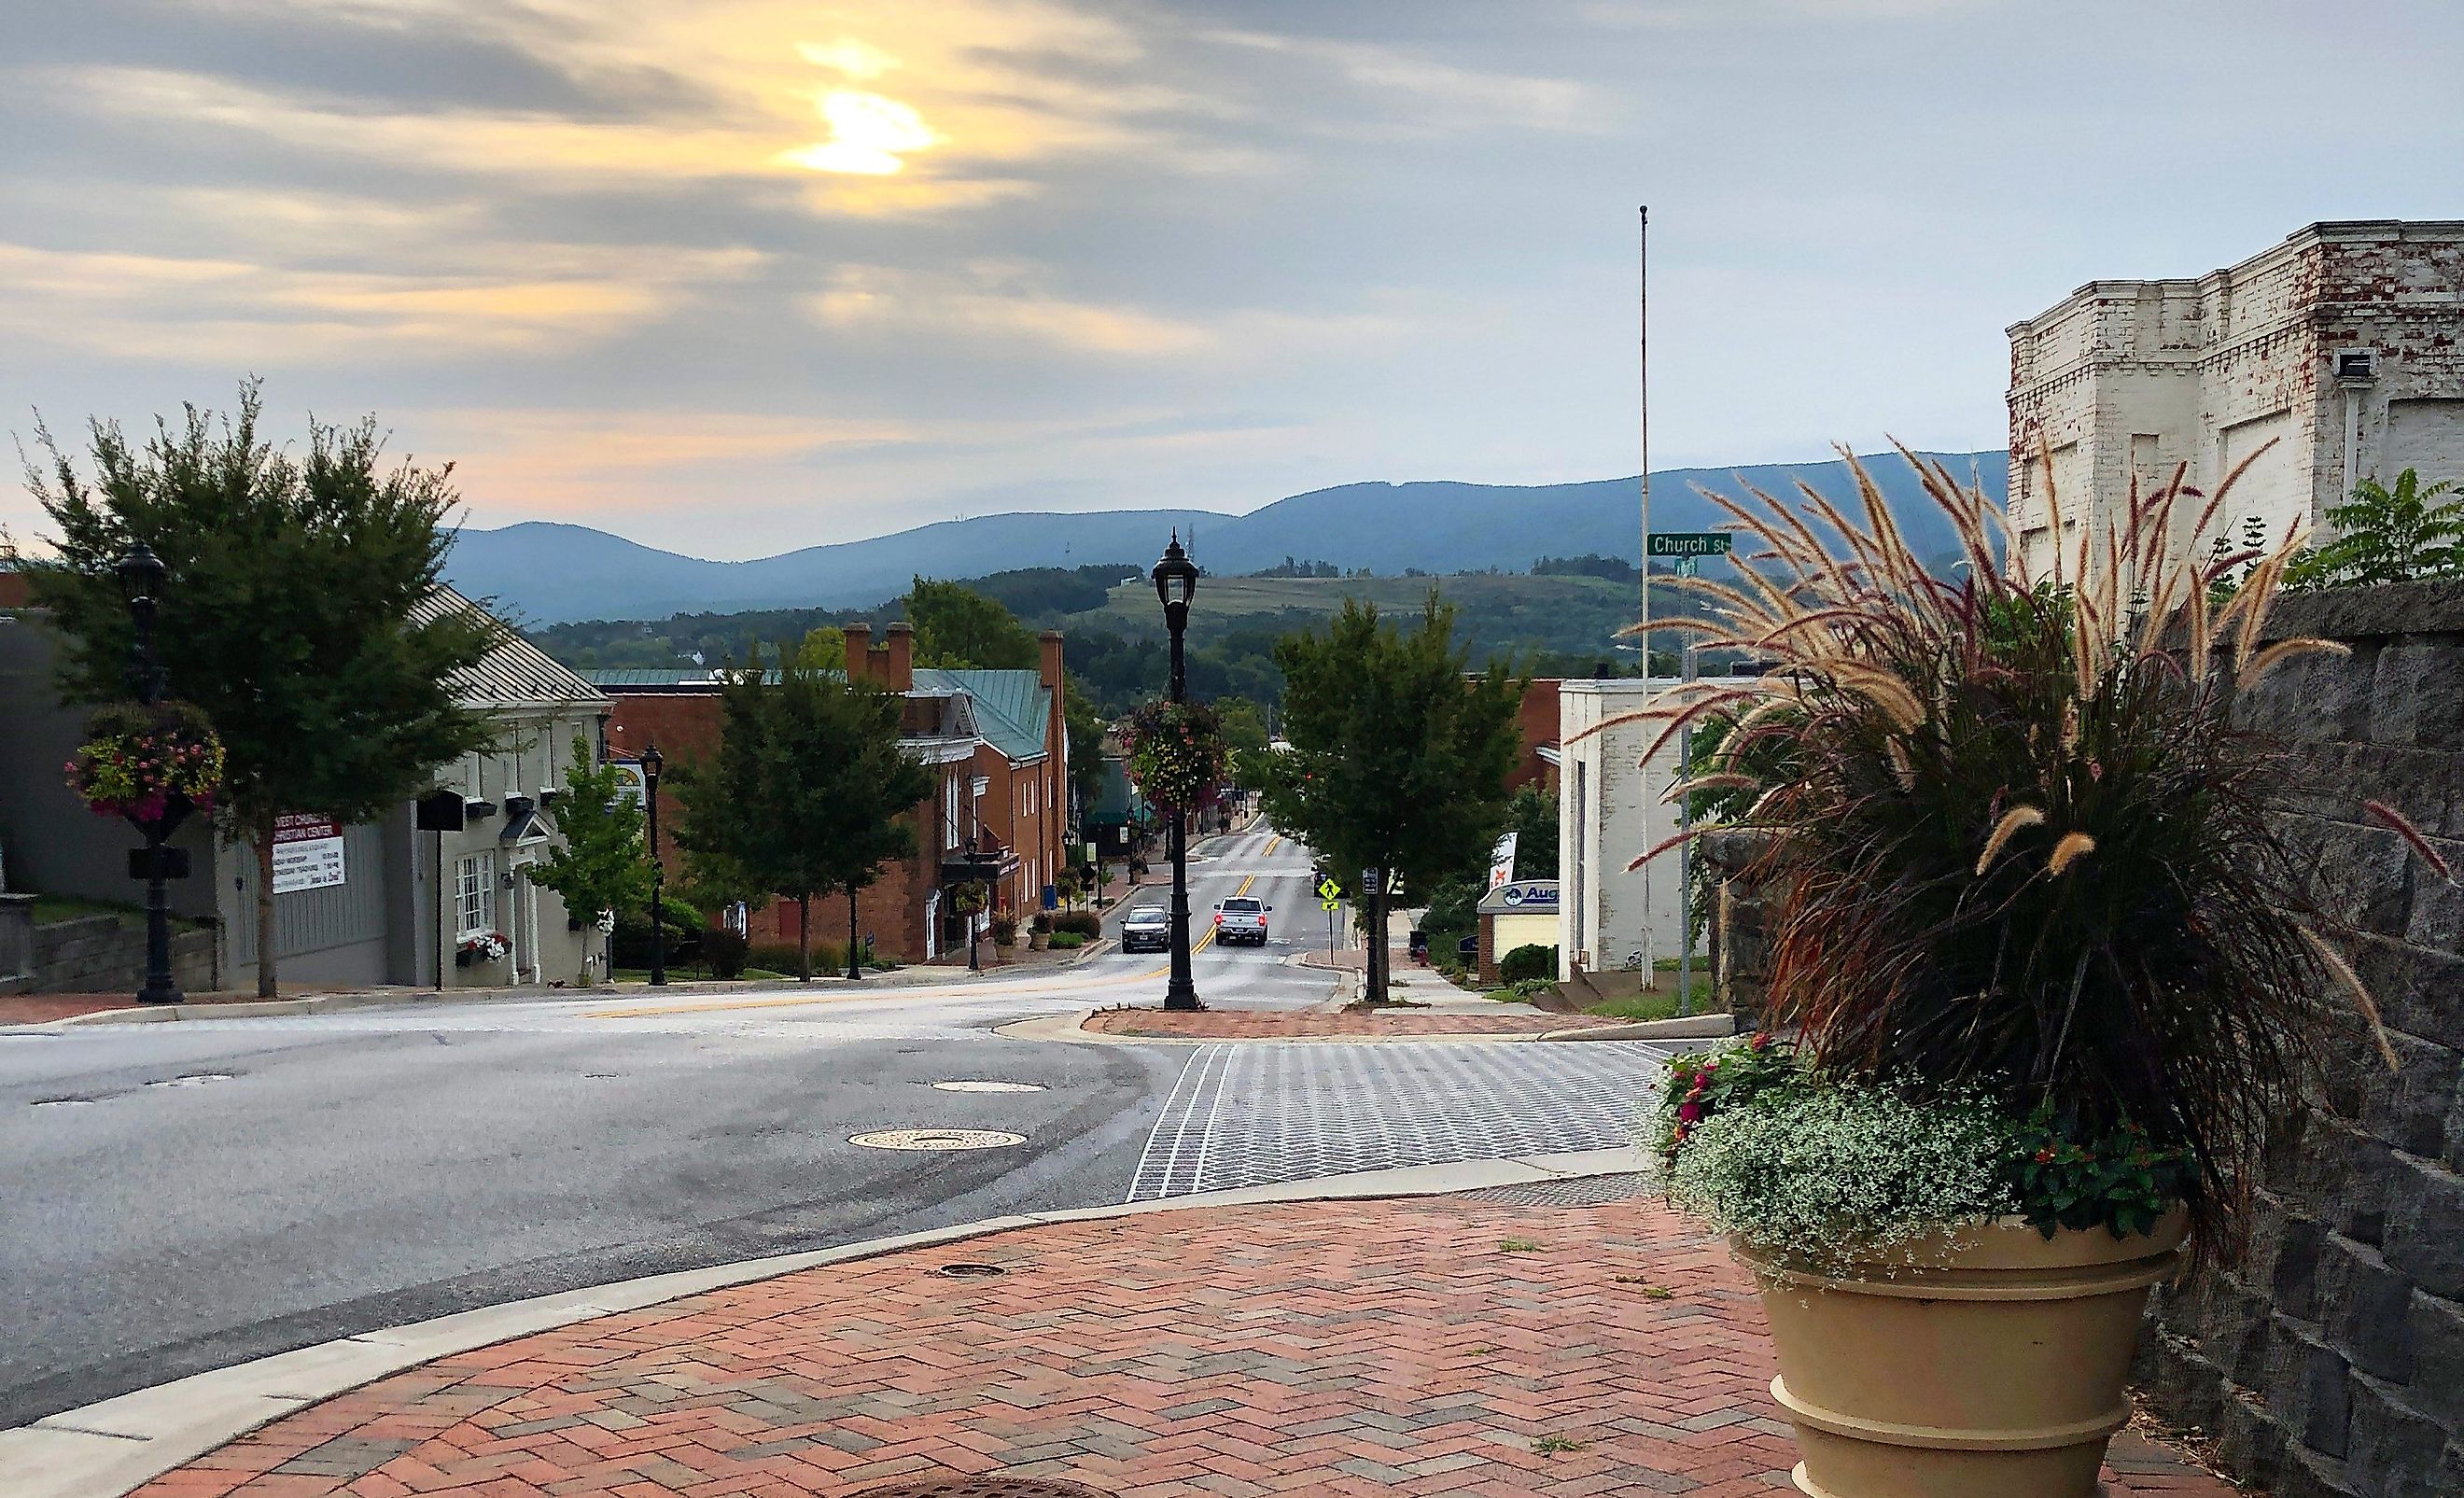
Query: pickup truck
x=1241, y=920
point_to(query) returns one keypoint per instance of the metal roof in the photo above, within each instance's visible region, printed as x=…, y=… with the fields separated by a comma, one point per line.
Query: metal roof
x=1013, y=708
x=514, y=672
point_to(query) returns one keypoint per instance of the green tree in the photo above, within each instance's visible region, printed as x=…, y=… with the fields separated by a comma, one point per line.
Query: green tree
x=2389, y=535
x=302, y=611
x=1245, y=726
x=600, y=866
x=1400, y=754
x=958, y=628
x=823, y=647
x=1531, y=816
x=1086, y=744
x=808, y=791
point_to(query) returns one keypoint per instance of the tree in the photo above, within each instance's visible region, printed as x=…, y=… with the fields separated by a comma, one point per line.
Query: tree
x=823, y=647
x=1086, y=744
x=958, y=628
x=1400, y=754
x=1531, y=816
x=301, y=612
x=1245, y=726
x=808, y=792
x=2389, y=535
x=601, y=867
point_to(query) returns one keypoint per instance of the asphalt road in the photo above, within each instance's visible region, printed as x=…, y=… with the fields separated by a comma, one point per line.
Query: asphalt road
x=184, y=1197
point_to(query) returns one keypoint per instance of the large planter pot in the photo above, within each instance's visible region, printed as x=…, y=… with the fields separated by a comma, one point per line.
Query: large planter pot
x=1987, y=1363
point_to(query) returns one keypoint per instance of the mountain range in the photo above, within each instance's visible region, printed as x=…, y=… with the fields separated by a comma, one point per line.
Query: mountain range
x=542, y=572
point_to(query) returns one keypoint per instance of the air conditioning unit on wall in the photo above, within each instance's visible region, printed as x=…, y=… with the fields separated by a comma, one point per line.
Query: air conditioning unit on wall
x=2357, y=365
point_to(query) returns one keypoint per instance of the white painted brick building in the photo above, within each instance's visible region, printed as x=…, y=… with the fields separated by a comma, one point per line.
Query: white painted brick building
x=2344, y=344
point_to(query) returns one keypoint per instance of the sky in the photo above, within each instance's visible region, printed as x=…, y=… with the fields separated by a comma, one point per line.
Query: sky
x=733, y=277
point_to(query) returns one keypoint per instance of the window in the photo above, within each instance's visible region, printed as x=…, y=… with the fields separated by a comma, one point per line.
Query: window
x=950, y=793
x=475, y=895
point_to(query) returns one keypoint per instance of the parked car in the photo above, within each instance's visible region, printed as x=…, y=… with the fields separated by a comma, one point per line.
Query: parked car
x=1146, y=929
x=1240, y=918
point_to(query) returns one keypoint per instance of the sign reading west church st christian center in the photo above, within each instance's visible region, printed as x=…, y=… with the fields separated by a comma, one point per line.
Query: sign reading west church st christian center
x=307, y=852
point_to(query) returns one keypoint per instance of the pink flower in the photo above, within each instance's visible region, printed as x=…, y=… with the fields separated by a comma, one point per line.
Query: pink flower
x=1690, y=1112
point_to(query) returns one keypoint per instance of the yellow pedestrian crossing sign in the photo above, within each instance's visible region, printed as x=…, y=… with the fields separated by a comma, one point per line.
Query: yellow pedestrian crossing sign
x=1329, y=891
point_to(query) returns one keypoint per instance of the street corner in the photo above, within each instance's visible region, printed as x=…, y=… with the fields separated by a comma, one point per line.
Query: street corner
x=1556, y=1337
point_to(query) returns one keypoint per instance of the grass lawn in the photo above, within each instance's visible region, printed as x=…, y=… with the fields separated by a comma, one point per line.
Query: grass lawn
x=51, y=908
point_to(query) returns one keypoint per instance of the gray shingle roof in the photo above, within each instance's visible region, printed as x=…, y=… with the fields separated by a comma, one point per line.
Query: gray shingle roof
x=514, y=672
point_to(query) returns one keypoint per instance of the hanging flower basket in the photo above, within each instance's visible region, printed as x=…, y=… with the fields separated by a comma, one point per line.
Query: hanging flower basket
x=151, y=765
x=1177, y=754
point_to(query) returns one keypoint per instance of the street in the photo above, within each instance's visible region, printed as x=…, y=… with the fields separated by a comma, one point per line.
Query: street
x=189, y=1196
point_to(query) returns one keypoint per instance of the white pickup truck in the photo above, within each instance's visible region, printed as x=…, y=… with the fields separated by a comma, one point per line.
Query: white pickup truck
x=1240, y=918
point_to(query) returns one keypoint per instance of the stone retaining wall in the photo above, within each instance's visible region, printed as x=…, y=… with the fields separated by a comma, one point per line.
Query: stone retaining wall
x=104, y=954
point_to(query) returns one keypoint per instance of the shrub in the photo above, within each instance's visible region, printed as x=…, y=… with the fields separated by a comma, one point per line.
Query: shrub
x=1041, y=923
x=2022, y=849
x=1527, y=962
x=1067, y=940
x=1085, y=924
x=723, y=952
x=1004, y=924
x=685, y=929
x=779, y=957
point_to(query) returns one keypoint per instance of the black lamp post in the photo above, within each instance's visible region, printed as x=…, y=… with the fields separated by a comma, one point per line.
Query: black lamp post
x=1175, y=580
x=142, y=576
x=650, y=762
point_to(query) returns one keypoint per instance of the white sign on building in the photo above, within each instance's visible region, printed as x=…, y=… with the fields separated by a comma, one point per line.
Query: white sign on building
x=307, y=852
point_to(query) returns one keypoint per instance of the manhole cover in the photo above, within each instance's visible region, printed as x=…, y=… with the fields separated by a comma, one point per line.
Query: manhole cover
x=973, y=1271
x=981, y=1488
x=973, y=1085
x=936, y=1139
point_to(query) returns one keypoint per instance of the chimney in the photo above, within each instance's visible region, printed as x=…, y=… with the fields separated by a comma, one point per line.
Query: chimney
x=1051, y=674
x=899, y=672
x=859, y=649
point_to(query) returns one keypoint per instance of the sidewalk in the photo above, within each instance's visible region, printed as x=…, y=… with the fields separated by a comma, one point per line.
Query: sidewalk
x=1525, y=1341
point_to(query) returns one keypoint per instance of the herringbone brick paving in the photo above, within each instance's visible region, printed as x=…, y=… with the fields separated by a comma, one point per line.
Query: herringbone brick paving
x=1435, y=1346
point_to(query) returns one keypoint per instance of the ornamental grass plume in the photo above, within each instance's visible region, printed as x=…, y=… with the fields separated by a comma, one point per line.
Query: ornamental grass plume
x=2019, y=841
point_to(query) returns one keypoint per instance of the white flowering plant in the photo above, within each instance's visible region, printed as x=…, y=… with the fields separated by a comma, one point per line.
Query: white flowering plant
x=488, y=946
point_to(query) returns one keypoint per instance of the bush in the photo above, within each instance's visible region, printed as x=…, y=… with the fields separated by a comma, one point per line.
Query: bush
x=779, y=957
x=1041, y=924
x=1079, y=923
x=1004, y=927
x=723, y=952
x=685, y=931
x=1527, y=962
x=1067, y=940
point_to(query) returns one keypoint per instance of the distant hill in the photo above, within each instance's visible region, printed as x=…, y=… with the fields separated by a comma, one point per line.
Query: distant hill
x=546, y=573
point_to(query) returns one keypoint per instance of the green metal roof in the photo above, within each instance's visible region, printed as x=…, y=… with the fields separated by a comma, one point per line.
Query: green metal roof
x=1013, y=708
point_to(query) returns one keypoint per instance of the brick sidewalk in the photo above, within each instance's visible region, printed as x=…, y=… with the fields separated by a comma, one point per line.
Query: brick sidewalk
x=1304, y=1024
x=1438, y=1346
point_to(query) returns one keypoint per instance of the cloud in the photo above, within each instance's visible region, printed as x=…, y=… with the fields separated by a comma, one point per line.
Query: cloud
x=997, y=301
x=260, y=315
x=1440, y=95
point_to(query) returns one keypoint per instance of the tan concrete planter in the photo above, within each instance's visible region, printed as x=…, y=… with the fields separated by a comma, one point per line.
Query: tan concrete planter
x=1986, y=1365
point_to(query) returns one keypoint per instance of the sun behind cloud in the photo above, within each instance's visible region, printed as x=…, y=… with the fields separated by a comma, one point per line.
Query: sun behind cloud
x=870, y=134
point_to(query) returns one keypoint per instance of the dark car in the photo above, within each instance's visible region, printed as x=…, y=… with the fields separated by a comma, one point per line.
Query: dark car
x=1146, y=929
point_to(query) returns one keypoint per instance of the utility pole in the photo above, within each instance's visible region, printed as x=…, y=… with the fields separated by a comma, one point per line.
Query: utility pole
x=1642, y=355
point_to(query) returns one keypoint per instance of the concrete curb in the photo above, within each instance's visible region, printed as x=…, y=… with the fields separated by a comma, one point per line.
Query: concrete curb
x=1065, y=1027
x=105, y=1449
x=1699, y=1027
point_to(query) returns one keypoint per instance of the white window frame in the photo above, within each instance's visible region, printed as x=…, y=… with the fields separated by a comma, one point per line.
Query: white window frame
x=474, y=894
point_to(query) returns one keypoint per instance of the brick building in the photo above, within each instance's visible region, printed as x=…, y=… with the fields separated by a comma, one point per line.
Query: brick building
x=2343, y=346
x=998, y=808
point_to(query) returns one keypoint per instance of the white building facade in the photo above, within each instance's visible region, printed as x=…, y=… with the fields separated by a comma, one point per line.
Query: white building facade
x=2342, y=346
x=1609, y=813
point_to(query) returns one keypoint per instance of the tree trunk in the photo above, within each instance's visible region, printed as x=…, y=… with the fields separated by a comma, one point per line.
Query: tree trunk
x=855, y=968
x=265, y=973
x=803, y=938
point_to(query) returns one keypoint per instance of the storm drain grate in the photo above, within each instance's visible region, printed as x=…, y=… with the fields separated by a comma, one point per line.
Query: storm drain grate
x=937, y=1139
x=971, y=1270
x=1580, y=1192
x=981, y=1488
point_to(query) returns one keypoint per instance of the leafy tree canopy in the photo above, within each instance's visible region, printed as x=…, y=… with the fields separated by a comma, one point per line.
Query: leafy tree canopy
x=298, y=610
x=1399, y=754
x=601, y=865
x=956, y=627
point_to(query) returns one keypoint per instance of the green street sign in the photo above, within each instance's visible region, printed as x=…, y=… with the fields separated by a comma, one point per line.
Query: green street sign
x=1690, y=543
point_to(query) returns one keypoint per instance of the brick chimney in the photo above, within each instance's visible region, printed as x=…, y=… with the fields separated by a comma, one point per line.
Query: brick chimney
x=898, y=672
x=859, y=650
x=1050, y=640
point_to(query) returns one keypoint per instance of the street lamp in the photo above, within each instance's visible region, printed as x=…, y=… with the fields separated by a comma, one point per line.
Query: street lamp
x=141, y=577
x=1175, y=580
x=650, y=763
